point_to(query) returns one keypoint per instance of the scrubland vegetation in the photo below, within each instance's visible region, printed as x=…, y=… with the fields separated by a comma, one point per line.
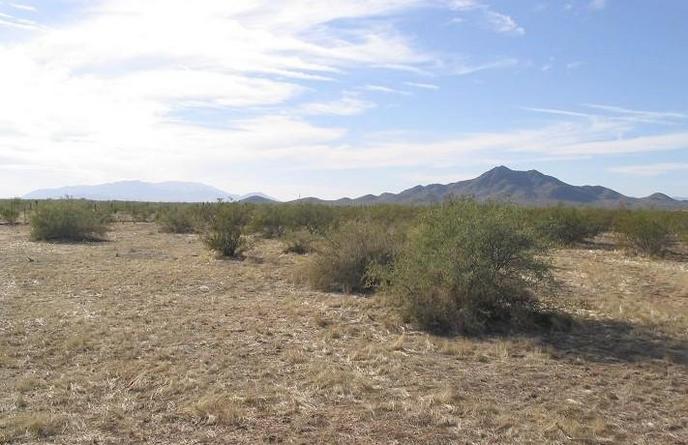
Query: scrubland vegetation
x=461, y=322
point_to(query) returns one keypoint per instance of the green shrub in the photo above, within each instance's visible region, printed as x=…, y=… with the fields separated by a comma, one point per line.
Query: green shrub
x=271, y=221
x=300, y=242
x=567, y=225
x=349, y=255
x=178, y=219
x=645, y=232
x=10, y=211
x=68, y=221
x=223, y=231
x=468, y=268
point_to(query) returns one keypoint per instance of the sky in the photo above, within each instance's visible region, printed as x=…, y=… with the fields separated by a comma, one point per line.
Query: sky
x=299, y=98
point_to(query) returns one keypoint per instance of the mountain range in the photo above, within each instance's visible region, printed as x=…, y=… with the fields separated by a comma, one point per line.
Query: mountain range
x=501, y=184
x=172, y=191
x=519, y=187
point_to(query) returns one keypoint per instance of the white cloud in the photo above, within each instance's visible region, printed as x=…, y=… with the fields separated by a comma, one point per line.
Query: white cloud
x=651, y=169
x=348, y=105
x=463, y=69
x=23, y=7
x=425, y=86
x=503, y=23
x=384, y=89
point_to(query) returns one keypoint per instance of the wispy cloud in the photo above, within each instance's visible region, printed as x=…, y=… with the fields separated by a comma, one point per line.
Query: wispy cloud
x=665, y=117
x=425, y=86
x=651, y=169
x=488, y=17
x=617, y=114
x=348, y=105
x=462, y=68
x=503, y=23
x=385, y=89
x=23, y=7
x=12, y=21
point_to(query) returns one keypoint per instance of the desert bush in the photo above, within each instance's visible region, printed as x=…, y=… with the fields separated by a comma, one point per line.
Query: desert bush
x=349, y=254
x=299, y=242
x=315, y=218
x=69, y=221
x=567, y=225
x=223, y=231
x=468, y=267
x=10, y=211
x=645, y=232
x=271, y=221
x=178, y=219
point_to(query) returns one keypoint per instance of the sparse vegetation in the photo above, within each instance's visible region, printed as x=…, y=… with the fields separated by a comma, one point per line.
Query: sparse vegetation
x=145, y=340
x=468, y=268
x=68, y=220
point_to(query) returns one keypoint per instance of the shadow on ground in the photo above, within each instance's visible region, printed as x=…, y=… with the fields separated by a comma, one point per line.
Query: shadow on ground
x=611, y=341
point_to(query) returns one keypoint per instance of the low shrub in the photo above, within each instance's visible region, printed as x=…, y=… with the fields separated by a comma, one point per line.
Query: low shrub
x=178, y=219
x=68, y=221
x=645, y=232
x=349, y=254
x=223, y=231
x=468, y=268
x=300, y=242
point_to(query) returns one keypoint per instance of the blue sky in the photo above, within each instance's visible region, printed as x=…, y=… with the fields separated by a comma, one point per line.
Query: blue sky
x=304, y=97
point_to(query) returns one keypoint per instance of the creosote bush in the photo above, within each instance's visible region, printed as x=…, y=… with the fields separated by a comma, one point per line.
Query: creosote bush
x=468, y=268
x=223, y=230
x=300, y=242
x=350, y=254
x=567, y=225
x=178, y=219
x=645, y=232
x=68, y=221
x=10, y=211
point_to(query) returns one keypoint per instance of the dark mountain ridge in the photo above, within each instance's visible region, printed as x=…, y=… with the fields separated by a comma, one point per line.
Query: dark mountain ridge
x=519, y=187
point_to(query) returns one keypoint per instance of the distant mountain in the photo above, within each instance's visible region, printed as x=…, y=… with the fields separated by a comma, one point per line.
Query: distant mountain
x=258, y=198
x=172, y=191
x=520, y=187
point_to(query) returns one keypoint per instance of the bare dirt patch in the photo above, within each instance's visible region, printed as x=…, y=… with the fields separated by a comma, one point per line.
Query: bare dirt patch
x=148, y=338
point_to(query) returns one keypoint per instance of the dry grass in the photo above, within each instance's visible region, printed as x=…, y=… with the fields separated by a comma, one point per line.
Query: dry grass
x=149, y=339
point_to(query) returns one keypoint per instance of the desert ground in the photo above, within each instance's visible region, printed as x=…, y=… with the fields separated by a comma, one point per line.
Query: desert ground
x=148, y=338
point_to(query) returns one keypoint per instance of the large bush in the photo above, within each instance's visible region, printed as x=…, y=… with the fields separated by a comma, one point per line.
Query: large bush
x=348, y=256
x=68, y=221
x=224, y=229
x=178, y=219
x=300, y=242
x=646, y=232
x=568, y=225
x=10, y=211
x=271, y=221
x=468, y=267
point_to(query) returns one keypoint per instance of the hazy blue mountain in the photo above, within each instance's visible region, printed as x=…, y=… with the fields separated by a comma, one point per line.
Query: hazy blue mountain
x=521, y=187
x=172, y=191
